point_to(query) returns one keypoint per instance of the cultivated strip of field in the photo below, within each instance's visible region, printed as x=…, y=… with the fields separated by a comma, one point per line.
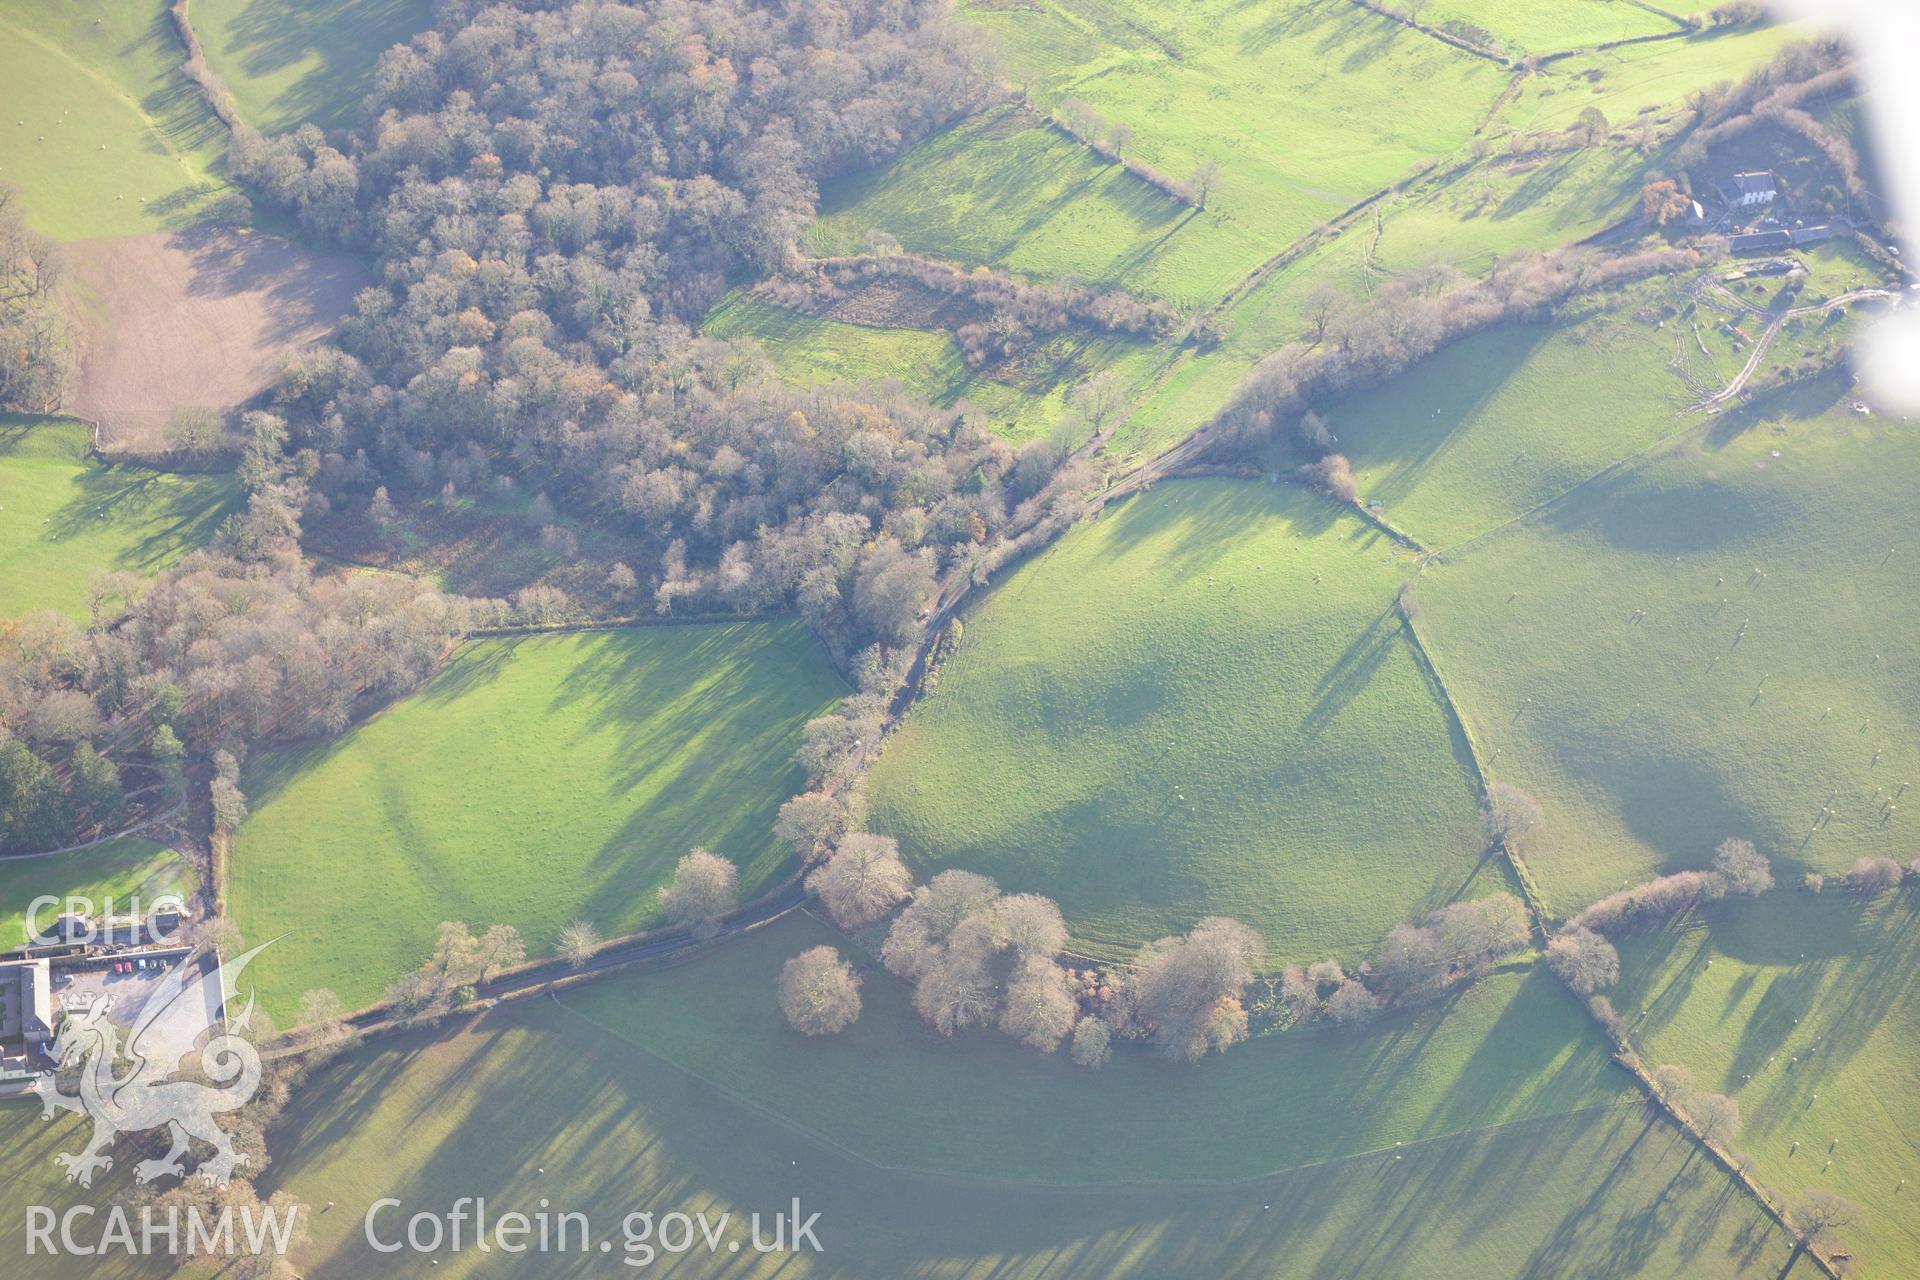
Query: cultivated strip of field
x=1519, y=27
x=533, y=781
x=1625, y=82
x=1211, y=709
x=204, y=317
x=899, y=1095
x=1006, y=189
x=66, y=517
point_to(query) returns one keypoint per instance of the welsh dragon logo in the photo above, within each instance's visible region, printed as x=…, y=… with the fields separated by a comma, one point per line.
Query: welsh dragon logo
x=130, y=1089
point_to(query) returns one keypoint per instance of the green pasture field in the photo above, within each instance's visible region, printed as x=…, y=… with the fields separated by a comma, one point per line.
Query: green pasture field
x=1495, y=424
x=808, y=349
x=1005, y=189
x=1716, y=640
x=1501, y=206
x=1651, y=78
x=1530, y=26
x=894, y=1092
x=66, y=518
x=1528, y=1162
x=99, y=126
x=1307, y=106
x=1202, y=703
x=289, y=63
x=1806, y=1011
x=122, y=870
x=533, y=781
x=1464, y=218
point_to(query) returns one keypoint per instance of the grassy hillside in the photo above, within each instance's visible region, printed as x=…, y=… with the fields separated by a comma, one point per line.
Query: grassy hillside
x=1209, y=708
x=896, y=1093
x=1516, y=27
x=533, y=781
x=1496, y=424
x=1006, y=189
x=122, y=870
x=1718, y=640
x=1364, y=100
x=288, y=63
x=99, y=126
x=586, y=1106
x=1626, y=82
x=1806, y=1011
x=66, y=518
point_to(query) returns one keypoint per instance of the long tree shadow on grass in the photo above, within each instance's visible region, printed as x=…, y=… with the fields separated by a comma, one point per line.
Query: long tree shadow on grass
x=537, y=1105
x=1353, y=670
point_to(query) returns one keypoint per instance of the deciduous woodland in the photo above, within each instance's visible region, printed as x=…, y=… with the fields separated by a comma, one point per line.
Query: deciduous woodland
x=556, y=197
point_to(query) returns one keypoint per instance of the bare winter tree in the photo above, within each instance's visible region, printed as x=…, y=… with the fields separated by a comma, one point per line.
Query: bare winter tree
x=1584, y=960
x=1871, y=877
x=1352, y=1002
x=1512, y=817
x=862, y=881
x=1092, y=1043
x=1100, y=397
x=1188, y=990
x=1459, y=942
x=1819, y=1213
x=819, y=992
x=1204, y=180
x=1673, y=1082
x=499, y=948
x=810, y=823
x=1332, y=475
x=705, y=886
x=193, y=429
x=229, y=804
x=577, y=941
x=1744, y=868
x=1029, y=925
x=937, y=909
x=1324, y=302
x=955, y=989
x=1591, y=125
x=321, y=1009
x=33, y=329
x=1717, y=1116
x=1039, y=1010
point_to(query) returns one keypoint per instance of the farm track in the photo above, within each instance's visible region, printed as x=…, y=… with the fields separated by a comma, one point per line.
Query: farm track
x=1840, y=301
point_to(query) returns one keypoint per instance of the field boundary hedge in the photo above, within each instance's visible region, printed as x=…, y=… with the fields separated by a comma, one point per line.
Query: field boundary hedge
x=219, y=98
